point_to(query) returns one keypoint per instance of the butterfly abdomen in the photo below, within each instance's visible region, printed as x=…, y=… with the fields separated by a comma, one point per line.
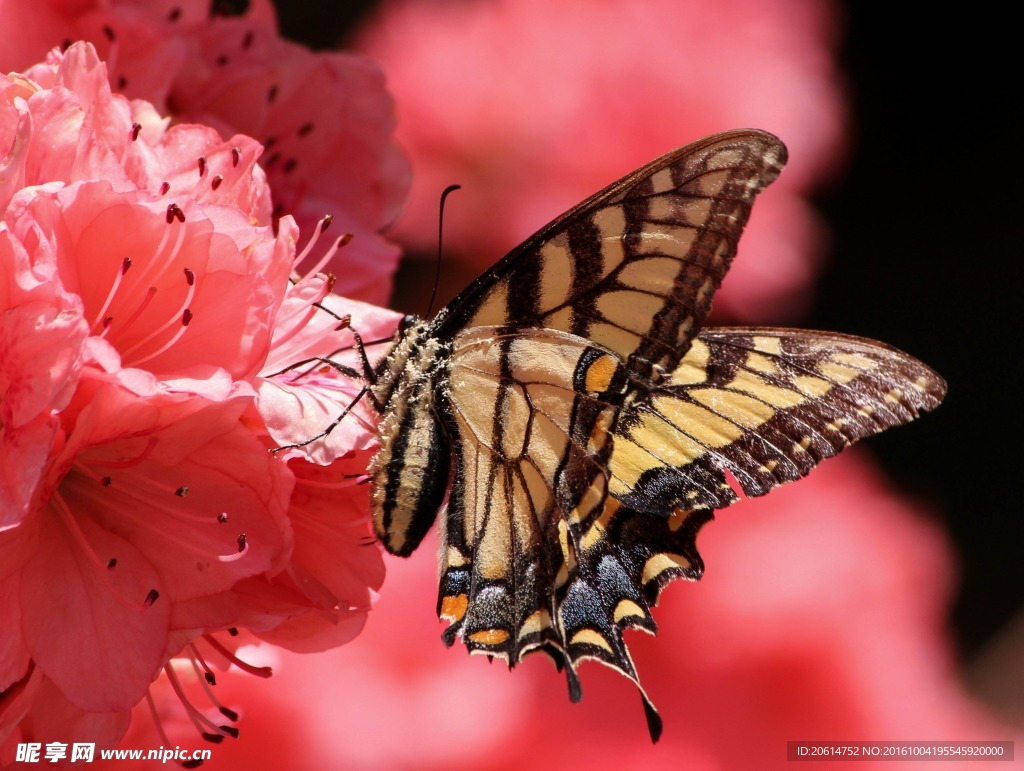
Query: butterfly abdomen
x=410, y=470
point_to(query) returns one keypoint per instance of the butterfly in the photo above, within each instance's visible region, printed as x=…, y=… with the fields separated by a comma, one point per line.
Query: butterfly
x=573, y=424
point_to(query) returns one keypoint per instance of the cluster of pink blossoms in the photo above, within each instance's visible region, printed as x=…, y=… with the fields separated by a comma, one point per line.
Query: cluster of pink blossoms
x=151, y=316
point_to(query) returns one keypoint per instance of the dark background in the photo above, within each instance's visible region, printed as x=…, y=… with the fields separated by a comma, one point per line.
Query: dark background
x=931, y=200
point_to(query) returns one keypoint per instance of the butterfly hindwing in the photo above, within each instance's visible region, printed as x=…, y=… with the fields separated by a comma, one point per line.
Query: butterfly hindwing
x=533, y=414
x=536, y=555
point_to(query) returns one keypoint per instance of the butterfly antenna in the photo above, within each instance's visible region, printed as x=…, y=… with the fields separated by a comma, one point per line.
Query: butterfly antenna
x=440, y=240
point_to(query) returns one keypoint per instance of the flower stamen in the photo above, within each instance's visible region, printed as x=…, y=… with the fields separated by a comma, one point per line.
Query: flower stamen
x=206, y=679
x=206, y=727
x=321, y=226
x=102, y=319
x=182, y=317
x=243, y=665
x=341, y=241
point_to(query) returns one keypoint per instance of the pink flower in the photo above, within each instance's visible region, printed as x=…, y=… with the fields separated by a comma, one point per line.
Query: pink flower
x=341, y=162
x=238, y=76
x=145, y=311
x=532, y=106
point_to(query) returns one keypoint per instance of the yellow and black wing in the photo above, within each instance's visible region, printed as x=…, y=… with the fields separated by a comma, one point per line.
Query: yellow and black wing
x=764, y=404
x=634, y=267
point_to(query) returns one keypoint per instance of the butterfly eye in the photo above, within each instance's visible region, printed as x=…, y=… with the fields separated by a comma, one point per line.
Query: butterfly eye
x=406, y=322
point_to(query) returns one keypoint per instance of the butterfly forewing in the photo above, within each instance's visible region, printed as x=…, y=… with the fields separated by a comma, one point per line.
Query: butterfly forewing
x=634, y=267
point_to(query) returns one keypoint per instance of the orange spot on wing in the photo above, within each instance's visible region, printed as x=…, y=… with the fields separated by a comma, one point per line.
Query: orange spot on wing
x=454, y=608
x=489, y=636
x=600, y=374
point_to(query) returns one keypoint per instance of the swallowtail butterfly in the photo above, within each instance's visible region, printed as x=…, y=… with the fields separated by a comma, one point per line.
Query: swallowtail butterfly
x=581, y=421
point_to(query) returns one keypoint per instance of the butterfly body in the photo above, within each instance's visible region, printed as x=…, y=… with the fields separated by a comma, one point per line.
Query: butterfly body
x=582, y=423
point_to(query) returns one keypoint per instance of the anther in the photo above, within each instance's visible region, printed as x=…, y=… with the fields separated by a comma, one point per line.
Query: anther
x=182, y=491
x=174, y=212
x=152, y=597
x=215, y=182
x=236, y=155
x=136, y=128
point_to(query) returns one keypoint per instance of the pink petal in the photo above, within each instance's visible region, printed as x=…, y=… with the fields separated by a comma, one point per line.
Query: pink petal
x=49, y=717
x=41, y=332
x=14, y=656
x=42, y=335
x=298, y=403
x=333, y=536
x=89, y=627
x=239, y=276
x=189, y=487
x=25, y=450
x=321, y=600
x=348, y=168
